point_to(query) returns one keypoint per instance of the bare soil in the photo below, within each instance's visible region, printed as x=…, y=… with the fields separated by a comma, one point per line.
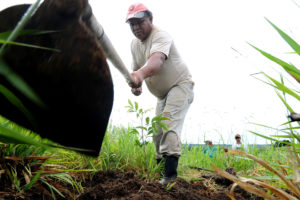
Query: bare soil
x=117, y=185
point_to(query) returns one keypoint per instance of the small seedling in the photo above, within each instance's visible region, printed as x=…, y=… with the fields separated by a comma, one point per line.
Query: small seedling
x=148, y=127
x=170, y=186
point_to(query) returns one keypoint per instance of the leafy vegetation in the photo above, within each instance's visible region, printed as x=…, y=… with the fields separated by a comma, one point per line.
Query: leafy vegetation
x=285, y=174
x=27, y=162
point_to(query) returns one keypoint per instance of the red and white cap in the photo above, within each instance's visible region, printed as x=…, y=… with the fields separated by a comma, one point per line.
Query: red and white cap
x=136, y=11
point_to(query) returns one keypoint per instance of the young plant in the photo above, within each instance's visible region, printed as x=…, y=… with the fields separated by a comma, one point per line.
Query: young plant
x=148, y=126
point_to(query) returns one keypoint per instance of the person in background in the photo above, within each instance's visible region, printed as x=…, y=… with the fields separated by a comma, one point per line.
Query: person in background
x=157, y=61
x=238, y=144
x=210, y=149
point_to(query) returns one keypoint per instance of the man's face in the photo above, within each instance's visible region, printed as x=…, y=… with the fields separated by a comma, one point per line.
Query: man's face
x=141, y=27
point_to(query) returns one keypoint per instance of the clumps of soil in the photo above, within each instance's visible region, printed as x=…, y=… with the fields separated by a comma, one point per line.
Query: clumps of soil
x=121, y=185
x=117, y=185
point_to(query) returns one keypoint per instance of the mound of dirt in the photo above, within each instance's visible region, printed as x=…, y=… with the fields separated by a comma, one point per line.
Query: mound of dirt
x=117, y=185
x=120, y=185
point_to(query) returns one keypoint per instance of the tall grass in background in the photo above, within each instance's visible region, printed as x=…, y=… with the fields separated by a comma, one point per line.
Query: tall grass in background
x=121, y=152
x=283, y=173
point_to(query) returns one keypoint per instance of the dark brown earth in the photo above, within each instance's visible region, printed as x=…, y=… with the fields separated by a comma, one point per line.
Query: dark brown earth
x=119, y=185
x=125, y=185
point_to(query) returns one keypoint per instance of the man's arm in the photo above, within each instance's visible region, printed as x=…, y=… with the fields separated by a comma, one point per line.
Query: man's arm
x=153, y=66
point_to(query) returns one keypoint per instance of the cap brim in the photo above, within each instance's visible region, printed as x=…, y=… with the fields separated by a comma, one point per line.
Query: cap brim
x=135, y=15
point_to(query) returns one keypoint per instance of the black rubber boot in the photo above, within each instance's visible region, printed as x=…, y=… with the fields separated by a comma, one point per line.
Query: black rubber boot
x=171, y=165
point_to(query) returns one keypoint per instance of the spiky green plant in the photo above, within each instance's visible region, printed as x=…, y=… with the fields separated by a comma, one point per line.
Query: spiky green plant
x=284, y=174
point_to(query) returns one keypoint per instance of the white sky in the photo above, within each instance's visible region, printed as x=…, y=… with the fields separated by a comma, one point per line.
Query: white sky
x=227, y=98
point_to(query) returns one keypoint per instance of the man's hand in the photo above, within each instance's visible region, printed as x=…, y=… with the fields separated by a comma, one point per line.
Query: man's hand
x=138, y=79
x=136, y=91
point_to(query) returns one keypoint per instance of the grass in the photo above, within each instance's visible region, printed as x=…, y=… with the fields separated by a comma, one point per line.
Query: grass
x=121, y=152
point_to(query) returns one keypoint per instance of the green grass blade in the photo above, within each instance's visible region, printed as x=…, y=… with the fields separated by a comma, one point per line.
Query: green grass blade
x=5, y=35
x=16, y=102
x=19, y=83
x=282, y=136
x=283, y=88
x=270, y=138
x=287, y=38
x=285, y=103
x=28, y=45
x=287, y=67
x=33, y=180
x=266, y=137
x=298, y=127
x=8, y=135
x=31, y=10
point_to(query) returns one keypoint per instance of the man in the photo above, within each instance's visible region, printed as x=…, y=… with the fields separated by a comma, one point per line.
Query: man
x=157, y=61
x=238, y=145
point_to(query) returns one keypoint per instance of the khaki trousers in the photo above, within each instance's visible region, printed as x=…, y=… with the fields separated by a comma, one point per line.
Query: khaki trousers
x=174, y=106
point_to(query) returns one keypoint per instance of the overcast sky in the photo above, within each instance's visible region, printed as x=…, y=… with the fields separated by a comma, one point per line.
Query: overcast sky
x=212, y=37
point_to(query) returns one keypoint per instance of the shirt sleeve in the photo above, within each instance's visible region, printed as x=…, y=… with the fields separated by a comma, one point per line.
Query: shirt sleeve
x=161, y=42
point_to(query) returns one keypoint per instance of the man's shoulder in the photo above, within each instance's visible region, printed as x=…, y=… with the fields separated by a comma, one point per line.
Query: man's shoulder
x=158, y=32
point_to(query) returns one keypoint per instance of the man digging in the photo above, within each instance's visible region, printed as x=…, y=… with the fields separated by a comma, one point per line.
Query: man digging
x=157, y=61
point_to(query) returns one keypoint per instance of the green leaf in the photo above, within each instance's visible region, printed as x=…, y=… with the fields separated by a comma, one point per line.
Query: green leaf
x=287, y=67
x=287, y=38
x=33, y=180
x=269, y=138
x=147, y=120
x=52, y=188
x=154, y=127
x=17, y=102
x=150, y=132
x=141, y=127
x=5, y=35
x=282, y=136
x=140, y=110
x=137, y=142
x=21, y=24
x=130, y=103
x=163, y=126
x=136, y=105
x=134, y=131
x=285, y=103
x=298, y=127
x=19, y=83
x=283, y=88
x=28, y=45
x=8, y=135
